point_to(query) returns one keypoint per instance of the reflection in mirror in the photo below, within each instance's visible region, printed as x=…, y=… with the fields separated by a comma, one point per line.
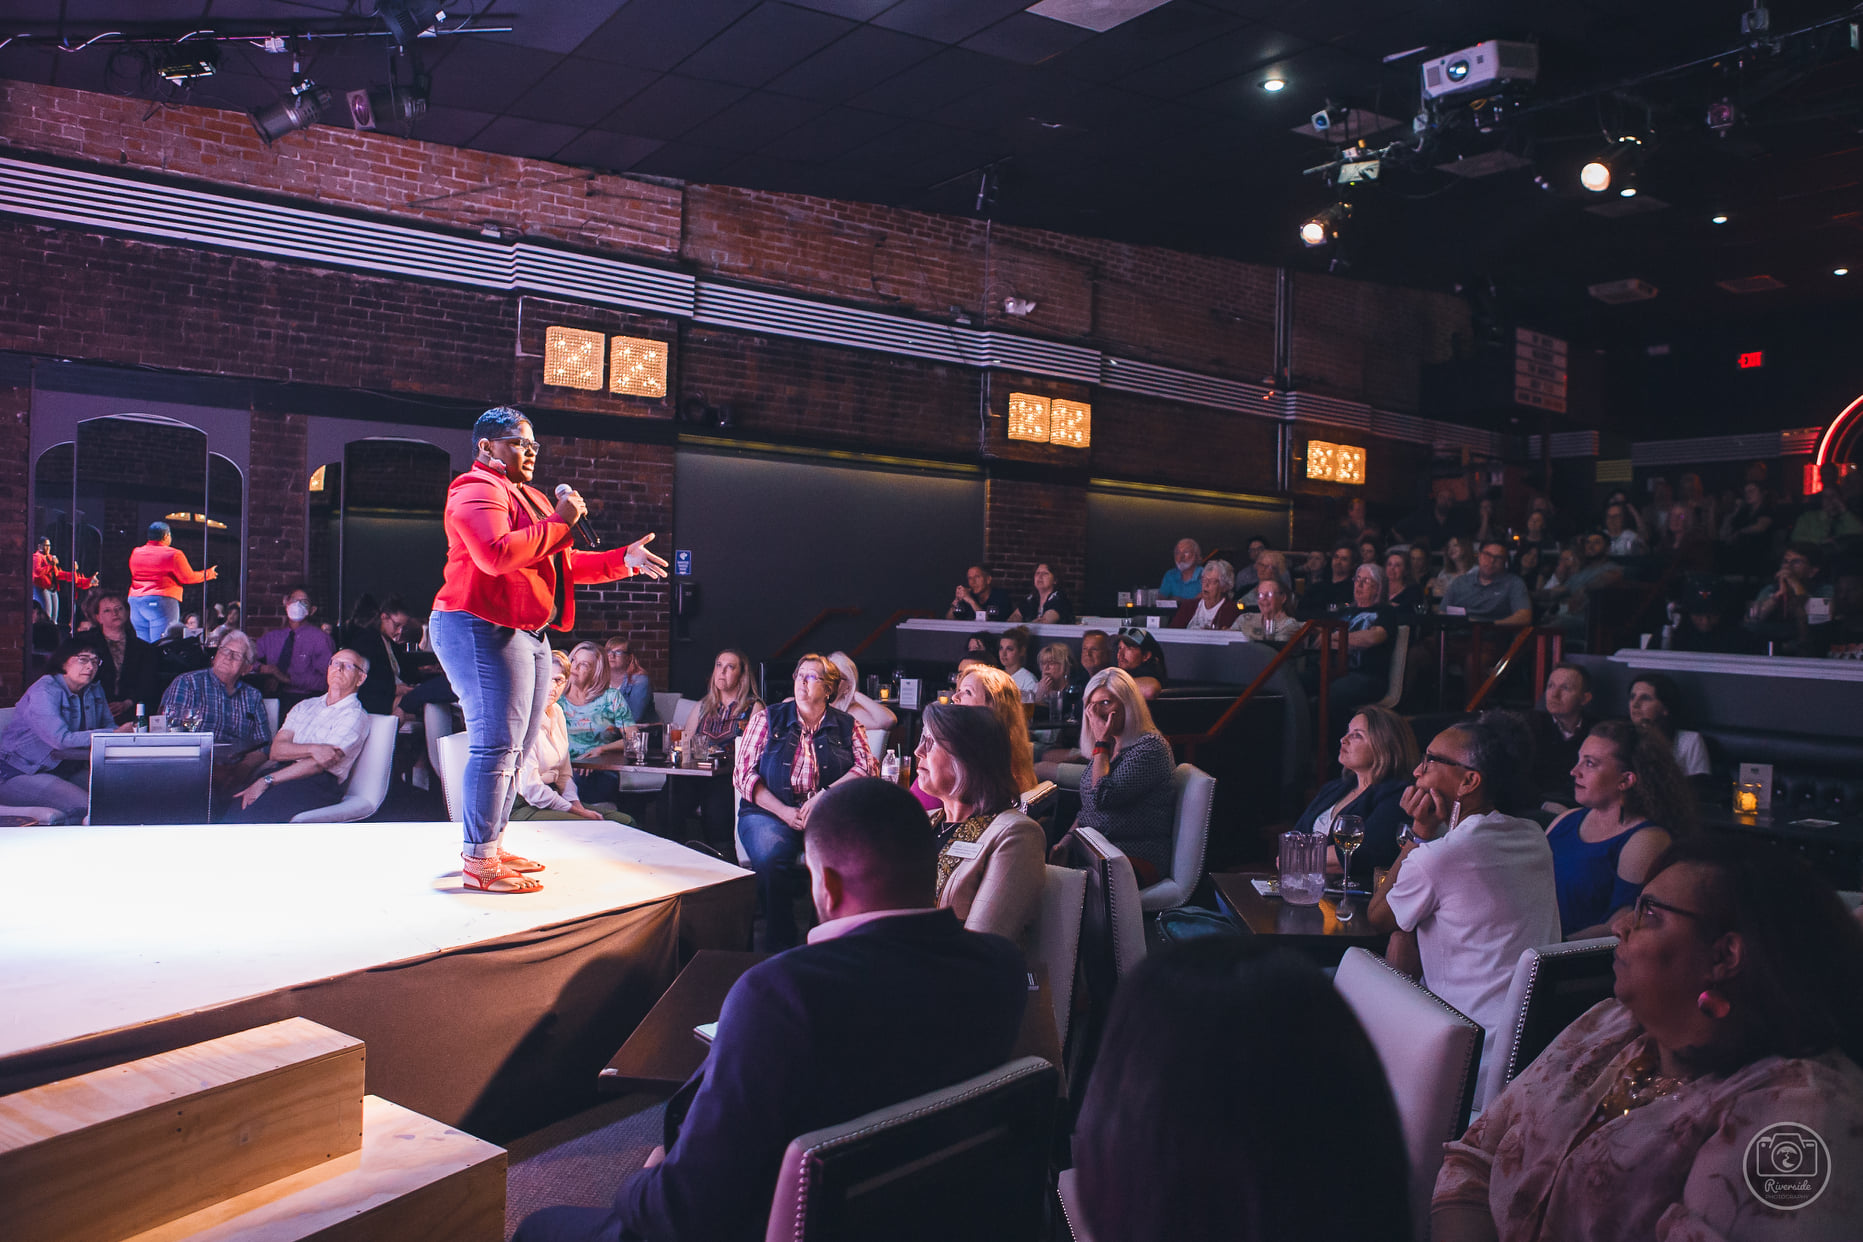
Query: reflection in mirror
x=326, y=534
x=52, y=536
x=133, y=470
x=393, y=531
x=226, y=536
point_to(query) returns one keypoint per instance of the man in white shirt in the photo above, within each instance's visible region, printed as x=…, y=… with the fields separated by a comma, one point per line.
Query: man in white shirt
x=315, y=749
x=1476, y=887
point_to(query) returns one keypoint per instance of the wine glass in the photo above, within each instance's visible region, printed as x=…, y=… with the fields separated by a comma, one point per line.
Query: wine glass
x=1348, y=835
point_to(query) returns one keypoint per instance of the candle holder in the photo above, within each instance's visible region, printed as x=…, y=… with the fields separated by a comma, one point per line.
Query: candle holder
x=1746, y=797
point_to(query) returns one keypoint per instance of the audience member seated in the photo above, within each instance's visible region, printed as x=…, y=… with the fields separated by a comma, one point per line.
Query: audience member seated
x=1739, y=1007
x=1012, y=651
x=1491, y=593
x=597, y=717
x=627, y=675
x=1656, y=513
x=1476, y=887
x=1559, y=729
x=1213, y=609
x=1268, y=566
x=1592, y=569
x=1272, y=624
x=1437, y=524
x=45, y=749
x=980, y=599
x=1221, y=1064
x=1840, y=638
x=1332, y=594
x=867, y=712
x=1184, y=580
x=546, y=784
x=890, y=999
x=1487, y=524
x=1354, y=523
x=214, y=700
x=1247, y=576
x=1126, y=791
x=226, y=619
x=1457, y=564
x=1399, y=591
x=981, y=648
x=990, y=855
x=1748, y=531
x=1829, y=524
x=130, y=672
x=1779, y=610
x=1631, y=797
x=1655, y=704
x=996, y=690
x=1536, y=536
x=1096, y=653
x=316, y=746
x=1419, y=558
x=1371, y=626
x=157, y=572
x=1370, y=550
x=1622, y=538
x=1056, y=662
x=1377, y=756
x=1706, y=625
x=790, y=755
x=1140, y=655
x=1046, y=604
x=292, y=659
x=716, y=724
x=374, y=631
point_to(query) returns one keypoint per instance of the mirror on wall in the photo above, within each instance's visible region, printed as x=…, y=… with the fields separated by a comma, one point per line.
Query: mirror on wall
x=52, y=521
x=226, y=533
x=132, y=470
x=377, y=525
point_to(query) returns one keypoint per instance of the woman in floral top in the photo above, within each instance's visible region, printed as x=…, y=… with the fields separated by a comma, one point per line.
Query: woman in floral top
x=597, y=716
x=1717, y=1098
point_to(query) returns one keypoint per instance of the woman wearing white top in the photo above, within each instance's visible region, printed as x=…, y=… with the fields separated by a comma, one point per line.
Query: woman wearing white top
x=866, y=713
x=546, y=785
x=1654, y=701
x=1012, y=648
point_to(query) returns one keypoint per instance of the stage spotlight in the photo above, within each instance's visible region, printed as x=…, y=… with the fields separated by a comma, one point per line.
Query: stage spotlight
x=1629, y=191
x=1324, y=227
x=1274, y=85
x=1595, y=176
x=1840, y=271
x=407, y=20
x=298, y=110
x=383, y=105
x=1717, y=219
x=1313, y=233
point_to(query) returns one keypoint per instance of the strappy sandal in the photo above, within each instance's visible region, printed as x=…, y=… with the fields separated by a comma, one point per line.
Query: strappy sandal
x=491, y=875
x=518, y=863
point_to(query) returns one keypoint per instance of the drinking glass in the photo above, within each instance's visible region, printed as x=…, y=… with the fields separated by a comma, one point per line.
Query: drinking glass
x=1348, y=835
x=1303, y=868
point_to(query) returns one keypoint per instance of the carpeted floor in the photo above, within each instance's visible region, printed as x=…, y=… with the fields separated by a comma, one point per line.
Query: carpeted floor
x=583, y=1160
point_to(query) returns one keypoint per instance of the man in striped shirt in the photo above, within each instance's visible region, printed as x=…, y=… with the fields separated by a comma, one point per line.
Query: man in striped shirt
x=226, y=707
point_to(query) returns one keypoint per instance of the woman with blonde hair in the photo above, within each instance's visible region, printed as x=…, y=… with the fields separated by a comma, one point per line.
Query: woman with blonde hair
x=982, y=686
x=546, y=784
x=1376, y=758
x=870, y=714
x=717, y=721
x=596, y=716
x=1126, y=791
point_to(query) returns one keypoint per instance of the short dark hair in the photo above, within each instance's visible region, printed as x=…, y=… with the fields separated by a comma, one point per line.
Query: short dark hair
x=1810, y=551
x=1669, y=695
x=1346, y=545
x=988, y=654
x=879, y=838
x=1799, y=992
x=158, y=531
x=1570, y=666
x=979, y=744
x=987, y=571
x=1500, y=748
x=1485, y=544
x=1180, y=1134
x=497, y=423
x=69, y=647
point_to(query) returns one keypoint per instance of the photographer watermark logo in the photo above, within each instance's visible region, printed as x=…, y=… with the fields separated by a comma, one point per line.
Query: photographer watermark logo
x=1787, y=1166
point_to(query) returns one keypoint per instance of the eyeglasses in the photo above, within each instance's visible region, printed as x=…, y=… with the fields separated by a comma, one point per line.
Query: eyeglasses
x=1645, y=903
x=91, y=660
x=1430, y=757
x=345, y=664
x=523, y=445
x=808, y=679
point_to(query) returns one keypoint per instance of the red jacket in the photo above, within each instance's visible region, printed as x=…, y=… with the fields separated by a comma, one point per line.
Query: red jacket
x=502, y=555
x=43, y=576
x=158, y=569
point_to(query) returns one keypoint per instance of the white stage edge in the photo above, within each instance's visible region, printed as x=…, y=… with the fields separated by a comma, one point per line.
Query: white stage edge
x=105, y=928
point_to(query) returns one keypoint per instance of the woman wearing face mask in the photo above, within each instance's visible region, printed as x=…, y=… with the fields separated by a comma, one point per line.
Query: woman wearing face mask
x=50, y=727
x=511, y=573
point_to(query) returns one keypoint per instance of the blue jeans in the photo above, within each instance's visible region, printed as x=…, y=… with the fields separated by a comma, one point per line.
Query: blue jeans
x=775, y=851
x=502, y=677
x=47, y=598
x=153, y=615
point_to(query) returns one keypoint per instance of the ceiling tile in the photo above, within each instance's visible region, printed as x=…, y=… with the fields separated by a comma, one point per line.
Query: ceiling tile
x=488, y=76
x=511, y=135
x=845, y=68
x=582, y=92
x=859, y=10
x=670, y=107
x=549, y=25
x=924, y=86
x=688, y=163
x=1027, y=39
x=752, y=121
x=947, y=21
x=767, y=41
x=453, y=126
x=617, y=152
x=658, y=34
x=831, y=135
x=1163, y=32
x=1208, y=63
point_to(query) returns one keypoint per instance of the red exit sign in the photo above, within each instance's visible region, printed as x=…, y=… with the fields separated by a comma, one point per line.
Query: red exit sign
x=1755, y=359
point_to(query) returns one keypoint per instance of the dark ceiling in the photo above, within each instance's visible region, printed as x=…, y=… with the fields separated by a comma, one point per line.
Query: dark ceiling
x=1157, y=131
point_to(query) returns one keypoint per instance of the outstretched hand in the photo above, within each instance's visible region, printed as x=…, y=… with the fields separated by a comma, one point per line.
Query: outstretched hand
x=642, y=561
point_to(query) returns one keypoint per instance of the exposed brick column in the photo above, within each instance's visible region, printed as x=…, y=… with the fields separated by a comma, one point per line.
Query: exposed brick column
x=277, y=516
x=15, y=552
x=1030, y=523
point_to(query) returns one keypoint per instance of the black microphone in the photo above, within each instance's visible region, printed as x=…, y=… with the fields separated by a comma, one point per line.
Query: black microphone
x=584, y=533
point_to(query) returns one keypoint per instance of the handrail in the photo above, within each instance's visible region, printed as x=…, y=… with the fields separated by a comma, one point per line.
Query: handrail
x=1540, y=635
x=795, y=640
x=1190, y=741
x=899, y=614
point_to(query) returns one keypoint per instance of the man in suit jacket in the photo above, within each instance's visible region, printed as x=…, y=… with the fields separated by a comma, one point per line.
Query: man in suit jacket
x=891, y=998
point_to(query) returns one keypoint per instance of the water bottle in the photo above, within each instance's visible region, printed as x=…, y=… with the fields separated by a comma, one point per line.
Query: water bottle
x=889, y=766
x=142, y=718
x=1668, y=637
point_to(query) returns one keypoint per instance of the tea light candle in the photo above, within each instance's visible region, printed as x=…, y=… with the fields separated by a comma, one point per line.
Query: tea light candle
x=886, y=692
x=1746, y=800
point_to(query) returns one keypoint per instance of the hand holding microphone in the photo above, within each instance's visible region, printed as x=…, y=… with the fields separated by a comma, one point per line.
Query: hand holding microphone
x=570, y=507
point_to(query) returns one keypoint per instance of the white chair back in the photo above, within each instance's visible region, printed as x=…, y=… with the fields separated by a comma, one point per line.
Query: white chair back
x=271, y=713
x=368, y=778
x=665, y=703
x=876, y=742
x=1057, y=939
x=683, y=713
x=1195, y=791
x=453, y=749
x=436, y=721
x=1553, y=984
x=1430, y=1053
x=1123, y=915
x=1400, y=656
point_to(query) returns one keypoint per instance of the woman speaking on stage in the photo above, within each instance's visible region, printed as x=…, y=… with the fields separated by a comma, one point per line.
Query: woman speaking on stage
x=510, y=576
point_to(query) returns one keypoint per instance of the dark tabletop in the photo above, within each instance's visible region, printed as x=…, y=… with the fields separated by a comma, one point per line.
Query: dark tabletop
x=663, y=1052
x=1315, y=930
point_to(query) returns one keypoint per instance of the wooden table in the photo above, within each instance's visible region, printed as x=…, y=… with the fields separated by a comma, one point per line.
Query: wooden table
x=663, y=1052
x=1313, y=930
x=669, y=816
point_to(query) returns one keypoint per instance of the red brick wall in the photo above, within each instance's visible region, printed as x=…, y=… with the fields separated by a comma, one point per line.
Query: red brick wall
x=1026, y=523
x=277, y=542
x=1145, y=440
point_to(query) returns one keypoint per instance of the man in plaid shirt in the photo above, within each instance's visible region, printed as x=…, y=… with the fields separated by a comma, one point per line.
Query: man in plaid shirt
x=228, y=708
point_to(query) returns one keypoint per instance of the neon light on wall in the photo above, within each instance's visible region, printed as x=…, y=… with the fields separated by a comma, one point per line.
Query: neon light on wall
x=1831, y=443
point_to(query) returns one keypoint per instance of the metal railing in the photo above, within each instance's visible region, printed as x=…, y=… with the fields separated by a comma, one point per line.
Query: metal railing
x=1548, y=650
x=885, y=627
x=1187, y=743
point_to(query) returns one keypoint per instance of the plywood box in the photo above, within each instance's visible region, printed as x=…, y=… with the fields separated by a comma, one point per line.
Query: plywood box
x=111, y=1153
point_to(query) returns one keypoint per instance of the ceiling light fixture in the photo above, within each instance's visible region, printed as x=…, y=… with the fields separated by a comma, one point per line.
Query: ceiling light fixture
x=1029, y=417
x=1274, y=85
x=299, y=109
x=1840, y=271
x=1717, y=219
x=408, y=20
x=1324, y=227
x=1595, y=176
x=1629, y=191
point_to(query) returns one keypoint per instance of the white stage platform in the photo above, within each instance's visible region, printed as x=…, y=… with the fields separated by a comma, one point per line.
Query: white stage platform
x=108, y=930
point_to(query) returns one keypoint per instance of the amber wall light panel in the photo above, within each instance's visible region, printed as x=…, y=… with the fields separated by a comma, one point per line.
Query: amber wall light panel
x=1028, y=417
x=1070, y=423
x=572, y=358
x=637, y=366
x=1335, y=463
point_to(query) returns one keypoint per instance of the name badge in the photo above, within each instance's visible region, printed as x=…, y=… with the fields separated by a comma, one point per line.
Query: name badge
x=964, y=849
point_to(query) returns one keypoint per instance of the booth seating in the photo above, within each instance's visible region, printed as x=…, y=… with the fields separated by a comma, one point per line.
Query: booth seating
x=1552, y=986
x=1430, y=1053
x=969, y=1161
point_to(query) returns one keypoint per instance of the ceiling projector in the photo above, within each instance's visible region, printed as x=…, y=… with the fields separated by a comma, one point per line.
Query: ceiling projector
x=1482, y=67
